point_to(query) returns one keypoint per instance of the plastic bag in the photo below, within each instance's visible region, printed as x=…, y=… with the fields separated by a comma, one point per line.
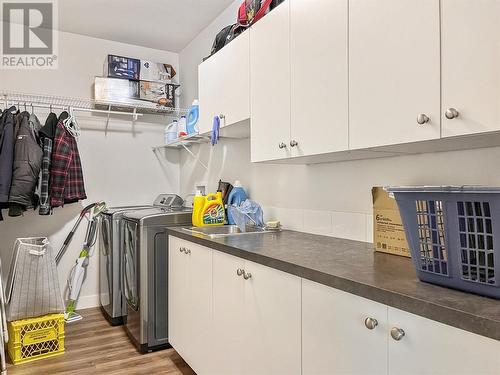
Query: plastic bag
x=248, y=213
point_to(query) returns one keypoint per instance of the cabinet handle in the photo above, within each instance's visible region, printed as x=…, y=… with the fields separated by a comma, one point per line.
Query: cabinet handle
x=293, y=143
x=423, y=119
x=371, y=323
x=397, y=333
x=222, y=117
x=246, y=275
x=187, y=251
x=451, y=113
x=181, y=249
x=239, y=272
x=282, y=145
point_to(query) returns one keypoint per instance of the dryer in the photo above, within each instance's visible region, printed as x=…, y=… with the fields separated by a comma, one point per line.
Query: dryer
x=145, y=271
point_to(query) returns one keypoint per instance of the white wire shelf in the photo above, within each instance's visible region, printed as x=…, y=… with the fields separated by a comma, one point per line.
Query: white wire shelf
x=185, y=141
x=87, y=105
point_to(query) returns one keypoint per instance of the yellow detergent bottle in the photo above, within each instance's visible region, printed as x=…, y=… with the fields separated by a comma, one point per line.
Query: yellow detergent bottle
x=208, y=210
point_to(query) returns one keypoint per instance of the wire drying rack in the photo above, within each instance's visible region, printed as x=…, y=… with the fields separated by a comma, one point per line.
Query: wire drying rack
x=50, y=102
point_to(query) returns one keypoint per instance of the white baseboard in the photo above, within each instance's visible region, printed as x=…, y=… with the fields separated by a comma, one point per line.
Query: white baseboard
x=85, y=302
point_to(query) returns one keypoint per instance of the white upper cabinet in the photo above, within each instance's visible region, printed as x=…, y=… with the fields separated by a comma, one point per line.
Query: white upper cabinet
x=337, y=338
x=224, y=84
x=270, y=85
x=432, y=348
x=319, y=76
x=394, y=71
x=471, y=66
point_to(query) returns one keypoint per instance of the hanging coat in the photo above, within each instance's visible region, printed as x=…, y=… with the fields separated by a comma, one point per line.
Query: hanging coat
x=47, y=134
x=6, y=154
x=66, y=176
x=27, y=164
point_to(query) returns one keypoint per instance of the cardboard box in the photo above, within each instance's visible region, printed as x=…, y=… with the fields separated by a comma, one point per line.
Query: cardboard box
x=159, y=93
x=388, y=231
x=116, y=90
x=156, y=72
x=122, y=67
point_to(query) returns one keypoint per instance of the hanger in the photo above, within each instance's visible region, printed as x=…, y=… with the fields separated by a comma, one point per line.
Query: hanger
x=71, y=124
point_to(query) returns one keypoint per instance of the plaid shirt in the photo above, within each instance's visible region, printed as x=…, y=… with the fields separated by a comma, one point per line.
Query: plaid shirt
x=66, y=177
x=44, y=185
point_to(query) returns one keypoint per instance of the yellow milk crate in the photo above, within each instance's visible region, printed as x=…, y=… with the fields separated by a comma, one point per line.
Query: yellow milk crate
x=36, y=338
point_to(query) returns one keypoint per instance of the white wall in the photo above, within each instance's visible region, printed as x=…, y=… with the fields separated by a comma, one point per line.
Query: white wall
x=198, y=48
x=332, y=199
x=119, y=168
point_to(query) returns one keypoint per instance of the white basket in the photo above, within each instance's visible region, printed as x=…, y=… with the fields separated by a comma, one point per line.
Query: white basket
x=33, y=286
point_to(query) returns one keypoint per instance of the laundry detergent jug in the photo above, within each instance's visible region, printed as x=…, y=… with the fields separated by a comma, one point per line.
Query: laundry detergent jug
x=236, y=197
x=208, y=210
x=192, y=117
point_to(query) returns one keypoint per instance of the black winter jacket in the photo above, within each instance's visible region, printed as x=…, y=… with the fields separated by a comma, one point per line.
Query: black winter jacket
x=6, y=154
x=27, y=164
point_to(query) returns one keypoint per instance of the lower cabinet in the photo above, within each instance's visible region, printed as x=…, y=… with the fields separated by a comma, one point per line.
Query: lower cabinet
x=228, y=321
x=432, y=348
x=190, y=302
x=256, y=318
x=229, y=316
x=272, y=315
x=342, y=333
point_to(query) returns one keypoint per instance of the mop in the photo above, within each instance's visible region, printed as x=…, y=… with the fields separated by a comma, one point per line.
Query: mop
x=79, y=270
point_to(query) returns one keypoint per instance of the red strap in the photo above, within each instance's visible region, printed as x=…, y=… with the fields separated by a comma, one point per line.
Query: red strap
x=262, y=11
x=242, y=15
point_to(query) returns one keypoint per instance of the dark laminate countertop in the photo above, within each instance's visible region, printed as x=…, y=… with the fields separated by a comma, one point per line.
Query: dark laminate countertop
x=353, y=267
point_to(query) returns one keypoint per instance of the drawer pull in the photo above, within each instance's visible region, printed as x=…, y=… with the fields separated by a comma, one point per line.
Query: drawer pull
x=371, y=323
x=397, y=334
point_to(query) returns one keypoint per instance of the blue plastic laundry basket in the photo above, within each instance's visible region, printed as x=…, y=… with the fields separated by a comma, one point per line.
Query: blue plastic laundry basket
x=454, y=235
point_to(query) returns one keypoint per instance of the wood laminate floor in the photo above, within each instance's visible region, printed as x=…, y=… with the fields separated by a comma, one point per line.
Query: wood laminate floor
x=95, y=347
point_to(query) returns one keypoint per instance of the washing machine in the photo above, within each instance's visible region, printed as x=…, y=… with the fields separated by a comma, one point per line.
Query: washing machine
x=145, y=271
x=113, y=305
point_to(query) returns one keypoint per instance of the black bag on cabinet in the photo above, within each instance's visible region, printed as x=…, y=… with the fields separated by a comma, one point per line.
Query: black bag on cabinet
x=275, y=3
x=225, y=36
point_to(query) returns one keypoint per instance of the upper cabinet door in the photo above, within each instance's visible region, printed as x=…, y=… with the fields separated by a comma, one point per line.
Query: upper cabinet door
x=224, y=84
x=319, y=76
x=270, y=85
x=394, y=71
x=471, y=66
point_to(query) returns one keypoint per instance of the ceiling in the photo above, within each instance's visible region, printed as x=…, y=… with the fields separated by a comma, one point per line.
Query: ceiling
x=161, y=24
